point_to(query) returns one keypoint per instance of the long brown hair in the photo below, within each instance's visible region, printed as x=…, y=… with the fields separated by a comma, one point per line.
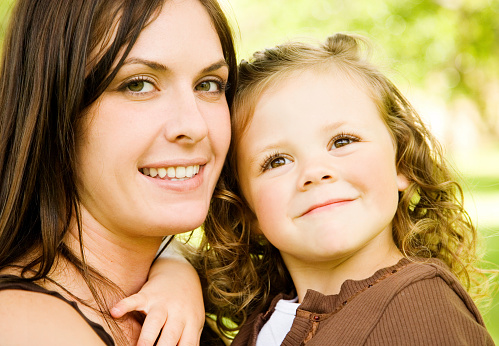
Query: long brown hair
x=58, y=58
x=243, y=271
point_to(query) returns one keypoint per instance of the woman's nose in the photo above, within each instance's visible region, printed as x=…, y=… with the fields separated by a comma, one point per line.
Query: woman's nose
x=188, y=123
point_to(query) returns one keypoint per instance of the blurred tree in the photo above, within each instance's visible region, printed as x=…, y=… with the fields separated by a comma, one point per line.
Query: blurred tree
x=447, y=47
x=5, y=8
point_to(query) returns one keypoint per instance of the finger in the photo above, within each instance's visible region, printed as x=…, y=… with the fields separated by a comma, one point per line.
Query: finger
x=129, y=304
x=151, y=328
x=172, y=331
x=190, y=336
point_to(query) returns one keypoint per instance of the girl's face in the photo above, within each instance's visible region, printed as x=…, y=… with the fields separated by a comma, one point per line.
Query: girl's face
x=317, y=167
x=153, y=145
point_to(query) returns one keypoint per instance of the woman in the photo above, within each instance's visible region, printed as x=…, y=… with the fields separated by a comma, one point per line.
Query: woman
x=114, y=127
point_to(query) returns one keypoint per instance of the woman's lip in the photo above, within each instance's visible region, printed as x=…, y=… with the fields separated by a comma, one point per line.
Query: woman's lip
x=176, y=163
x=181, y=185
x=331, y=203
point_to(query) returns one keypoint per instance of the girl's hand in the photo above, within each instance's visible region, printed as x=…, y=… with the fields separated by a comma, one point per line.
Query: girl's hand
x=172, y=301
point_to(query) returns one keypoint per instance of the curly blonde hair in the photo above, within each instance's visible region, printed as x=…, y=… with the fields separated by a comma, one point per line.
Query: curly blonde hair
x=242, y=271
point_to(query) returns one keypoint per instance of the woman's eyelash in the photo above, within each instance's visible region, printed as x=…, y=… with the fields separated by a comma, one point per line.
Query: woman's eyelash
x=144, y=85
x=135, y=81
x=222, y=85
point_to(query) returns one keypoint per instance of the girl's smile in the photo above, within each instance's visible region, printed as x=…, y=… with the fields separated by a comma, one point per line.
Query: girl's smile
x=322, y=207
x=317, y=167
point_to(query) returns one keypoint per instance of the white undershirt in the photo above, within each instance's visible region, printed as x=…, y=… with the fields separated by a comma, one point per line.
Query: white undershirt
x=279, y=324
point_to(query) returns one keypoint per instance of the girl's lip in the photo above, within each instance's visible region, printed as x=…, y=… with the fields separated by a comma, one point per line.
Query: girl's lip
x=329, y=203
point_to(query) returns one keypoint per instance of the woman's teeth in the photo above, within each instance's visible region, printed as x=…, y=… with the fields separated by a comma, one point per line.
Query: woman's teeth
x=171, y=173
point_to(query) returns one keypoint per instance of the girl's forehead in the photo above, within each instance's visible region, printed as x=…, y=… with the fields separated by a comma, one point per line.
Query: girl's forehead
x=324, y=78
x=263, y=87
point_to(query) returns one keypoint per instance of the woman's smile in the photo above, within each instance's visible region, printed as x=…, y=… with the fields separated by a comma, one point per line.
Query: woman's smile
x=171, y=173
x=155, y=141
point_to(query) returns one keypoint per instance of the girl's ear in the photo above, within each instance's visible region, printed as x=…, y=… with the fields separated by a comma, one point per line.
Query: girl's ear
x=402, y=182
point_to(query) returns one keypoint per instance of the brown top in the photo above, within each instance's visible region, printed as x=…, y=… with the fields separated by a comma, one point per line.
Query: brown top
x=11, y=282
x=406, y=304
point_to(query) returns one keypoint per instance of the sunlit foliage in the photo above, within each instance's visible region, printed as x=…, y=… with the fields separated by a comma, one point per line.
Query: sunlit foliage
x=449, y=47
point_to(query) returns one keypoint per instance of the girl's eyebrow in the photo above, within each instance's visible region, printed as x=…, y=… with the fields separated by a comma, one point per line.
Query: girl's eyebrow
x=273, y=146
x=259, y=151
x=160, y=67
x=333, y=126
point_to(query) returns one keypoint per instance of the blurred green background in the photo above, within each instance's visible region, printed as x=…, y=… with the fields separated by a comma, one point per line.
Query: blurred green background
x=442, y=54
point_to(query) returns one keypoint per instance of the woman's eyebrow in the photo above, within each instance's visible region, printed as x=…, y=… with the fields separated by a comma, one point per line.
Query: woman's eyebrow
x=151, y=64
x=215, y=66
x=160, y=67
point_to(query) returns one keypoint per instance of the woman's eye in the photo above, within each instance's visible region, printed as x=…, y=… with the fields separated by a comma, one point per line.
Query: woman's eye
x=208, y=86
x=139, y=86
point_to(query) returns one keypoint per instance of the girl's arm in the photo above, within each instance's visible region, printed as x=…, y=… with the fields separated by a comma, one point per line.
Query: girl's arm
x=172, y=301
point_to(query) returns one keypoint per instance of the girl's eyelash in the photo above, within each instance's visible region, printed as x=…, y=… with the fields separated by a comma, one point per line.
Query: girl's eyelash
x=345, y=135
x=268, y=159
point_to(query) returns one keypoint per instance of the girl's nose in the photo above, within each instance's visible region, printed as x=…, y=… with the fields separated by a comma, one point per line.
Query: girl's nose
x=188, y=124
x=316, y=172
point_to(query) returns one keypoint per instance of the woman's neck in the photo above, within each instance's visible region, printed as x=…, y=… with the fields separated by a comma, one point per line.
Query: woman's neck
x=124, y=261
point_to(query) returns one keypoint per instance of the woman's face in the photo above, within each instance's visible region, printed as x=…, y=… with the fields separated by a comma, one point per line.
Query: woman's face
x=153, y=145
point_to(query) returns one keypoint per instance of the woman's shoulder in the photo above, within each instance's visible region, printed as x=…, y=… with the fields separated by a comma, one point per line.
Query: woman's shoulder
x=32, y=318
x=30, y=315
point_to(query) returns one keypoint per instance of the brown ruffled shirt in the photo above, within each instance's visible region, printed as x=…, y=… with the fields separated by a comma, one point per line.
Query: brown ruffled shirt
x=410, y=303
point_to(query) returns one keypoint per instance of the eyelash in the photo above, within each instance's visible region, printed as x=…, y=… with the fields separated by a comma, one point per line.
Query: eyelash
x=222, y=85
x=265, y=166
x=125, y=86
x=268, y=160
x=353, y=138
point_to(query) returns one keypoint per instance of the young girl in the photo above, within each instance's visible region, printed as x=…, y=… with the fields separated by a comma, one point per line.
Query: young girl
x=339, y=223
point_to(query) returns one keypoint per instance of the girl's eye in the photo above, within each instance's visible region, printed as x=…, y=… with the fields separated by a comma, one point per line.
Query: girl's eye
x=275, y=161
x=209, y=86
x=280, y=161
x=343, y=140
